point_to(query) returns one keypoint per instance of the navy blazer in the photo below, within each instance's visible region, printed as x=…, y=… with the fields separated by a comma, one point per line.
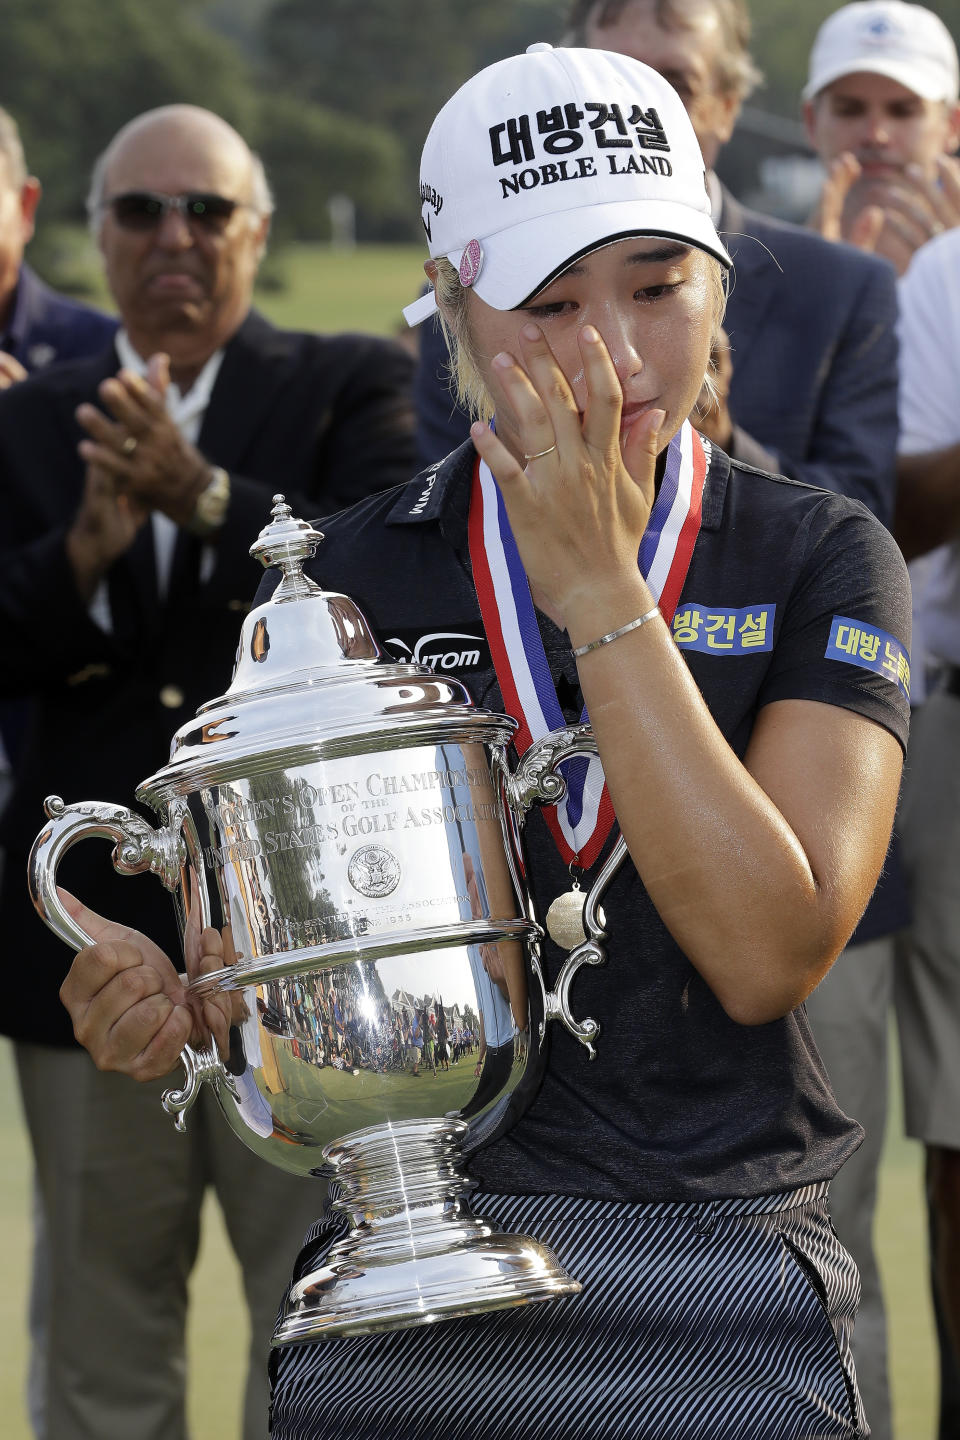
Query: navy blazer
x=812, y=326
x=46, y=327
x=326, y=420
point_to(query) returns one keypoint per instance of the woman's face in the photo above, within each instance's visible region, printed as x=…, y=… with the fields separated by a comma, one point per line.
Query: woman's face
x=653, y=302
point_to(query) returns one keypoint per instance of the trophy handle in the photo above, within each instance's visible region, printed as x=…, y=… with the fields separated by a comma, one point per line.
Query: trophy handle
x=137, y=847
x=589, y=952
x=198, y=1066
x=534, y=781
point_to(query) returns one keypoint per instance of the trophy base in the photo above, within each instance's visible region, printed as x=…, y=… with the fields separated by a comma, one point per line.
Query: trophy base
x=492, y=1274
x=415, y=1253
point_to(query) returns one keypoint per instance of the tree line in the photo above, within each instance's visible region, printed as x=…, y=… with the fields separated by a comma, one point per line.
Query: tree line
x=336, y=95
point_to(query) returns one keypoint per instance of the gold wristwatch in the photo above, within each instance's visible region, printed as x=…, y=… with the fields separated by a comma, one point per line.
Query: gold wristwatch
x=211, y=507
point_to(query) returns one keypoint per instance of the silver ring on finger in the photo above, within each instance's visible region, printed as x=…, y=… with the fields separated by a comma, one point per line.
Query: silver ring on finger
x=539, y=454
x=129, y=445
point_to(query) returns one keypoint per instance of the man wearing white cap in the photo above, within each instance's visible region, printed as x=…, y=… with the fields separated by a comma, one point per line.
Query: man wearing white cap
x=881, y=111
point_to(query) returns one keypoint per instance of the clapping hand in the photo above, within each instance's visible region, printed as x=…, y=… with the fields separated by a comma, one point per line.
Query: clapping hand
x=11, y=371
x=138, y=443
x=891, y=216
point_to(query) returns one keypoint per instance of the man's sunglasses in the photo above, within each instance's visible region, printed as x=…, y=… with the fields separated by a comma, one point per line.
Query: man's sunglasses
x=146, y=209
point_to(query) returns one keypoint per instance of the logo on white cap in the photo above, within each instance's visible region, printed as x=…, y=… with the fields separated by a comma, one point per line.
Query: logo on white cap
x=906, y=43
x=470, y=262
x=545, y=156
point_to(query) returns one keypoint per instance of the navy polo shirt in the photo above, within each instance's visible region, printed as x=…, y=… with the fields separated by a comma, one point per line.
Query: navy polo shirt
x=792, y=593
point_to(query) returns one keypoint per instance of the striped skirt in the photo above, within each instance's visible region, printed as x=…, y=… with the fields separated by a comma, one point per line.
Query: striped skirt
x=727, y=1320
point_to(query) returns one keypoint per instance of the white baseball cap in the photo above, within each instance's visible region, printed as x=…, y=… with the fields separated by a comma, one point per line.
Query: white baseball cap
x=907, y=43
x=545, y=156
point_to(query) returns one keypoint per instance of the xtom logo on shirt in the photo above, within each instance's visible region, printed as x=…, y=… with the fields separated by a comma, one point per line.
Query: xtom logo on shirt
x=856, y=643
x=443, y=650
x=712, y=630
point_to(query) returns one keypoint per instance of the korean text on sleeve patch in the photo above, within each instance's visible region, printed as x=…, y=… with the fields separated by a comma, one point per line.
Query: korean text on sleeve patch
x=856, y=643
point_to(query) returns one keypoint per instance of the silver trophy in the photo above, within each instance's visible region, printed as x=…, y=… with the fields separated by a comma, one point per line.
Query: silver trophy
x=356, y=824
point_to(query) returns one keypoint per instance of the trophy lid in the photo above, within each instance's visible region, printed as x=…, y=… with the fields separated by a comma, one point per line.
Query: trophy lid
x=310, y=680
x=302, y=632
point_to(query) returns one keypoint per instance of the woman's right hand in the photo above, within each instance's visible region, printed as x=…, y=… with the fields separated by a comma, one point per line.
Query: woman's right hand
x=129, y=1006
x=580, y=497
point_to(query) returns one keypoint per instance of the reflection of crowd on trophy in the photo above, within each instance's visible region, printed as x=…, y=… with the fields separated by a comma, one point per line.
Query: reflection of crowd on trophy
x=344, y=1026
x=322, y=1026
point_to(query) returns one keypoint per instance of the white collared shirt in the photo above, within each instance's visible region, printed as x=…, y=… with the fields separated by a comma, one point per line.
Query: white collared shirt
x=928, y=330
x=187, y=412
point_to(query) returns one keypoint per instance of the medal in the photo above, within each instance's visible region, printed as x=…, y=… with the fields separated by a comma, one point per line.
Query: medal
x=565, y=917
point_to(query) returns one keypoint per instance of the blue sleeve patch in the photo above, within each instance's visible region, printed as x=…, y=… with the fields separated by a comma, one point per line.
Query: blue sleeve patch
x=715, y=631
x=858, y=644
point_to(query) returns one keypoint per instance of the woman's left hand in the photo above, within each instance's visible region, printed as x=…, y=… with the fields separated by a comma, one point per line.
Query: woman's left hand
x=580, y=500
x=130, y=1008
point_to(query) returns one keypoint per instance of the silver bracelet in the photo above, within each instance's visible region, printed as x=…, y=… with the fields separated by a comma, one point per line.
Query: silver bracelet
x=615, y=634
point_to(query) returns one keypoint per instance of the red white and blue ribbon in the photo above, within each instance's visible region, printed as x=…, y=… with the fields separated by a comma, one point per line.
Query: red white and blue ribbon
x=582, y=822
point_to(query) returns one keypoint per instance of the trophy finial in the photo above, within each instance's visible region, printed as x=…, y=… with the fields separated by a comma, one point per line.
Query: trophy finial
x=287, y=541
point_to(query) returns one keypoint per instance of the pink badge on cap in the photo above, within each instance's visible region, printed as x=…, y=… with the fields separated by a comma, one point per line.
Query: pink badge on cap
x=470, y=263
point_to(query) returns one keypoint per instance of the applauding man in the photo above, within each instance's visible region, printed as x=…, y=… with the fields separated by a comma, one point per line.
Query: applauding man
x=132, y=485
x=881, y=111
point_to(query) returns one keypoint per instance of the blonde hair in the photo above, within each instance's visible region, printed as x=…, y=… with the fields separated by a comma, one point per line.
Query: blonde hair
x=464, y=366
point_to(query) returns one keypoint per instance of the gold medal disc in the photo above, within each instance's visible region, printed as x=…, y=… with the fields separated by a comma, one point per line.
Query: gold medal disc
x=565, y=919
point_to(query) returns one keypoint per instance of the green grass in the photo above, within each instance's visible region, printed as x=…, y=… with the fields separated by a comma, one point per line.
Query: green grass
x=15, y=1185
x=217, y=1334
x=362, y=289
x=902, y=1248
x=355, y=1100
